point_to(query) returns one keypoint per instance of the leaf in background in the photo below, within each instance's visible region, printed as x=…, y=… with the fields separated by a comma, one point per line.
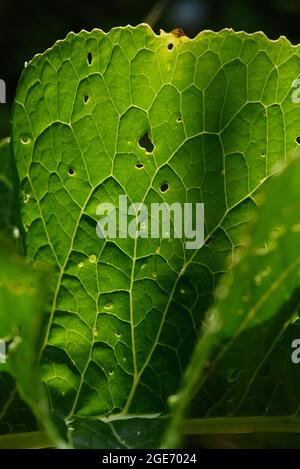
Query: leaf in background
x=129, y=112
x=22, y=301
x=9, y=207
x=15, y=415
x=242, y=363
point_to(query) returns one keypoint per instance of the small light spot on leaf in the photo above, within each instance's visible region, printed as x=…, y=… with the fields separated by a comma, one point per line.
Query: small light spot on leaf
x=25, y=139
x=173, y=400
x=222, y=291
x=16, y=232
x=93, y=258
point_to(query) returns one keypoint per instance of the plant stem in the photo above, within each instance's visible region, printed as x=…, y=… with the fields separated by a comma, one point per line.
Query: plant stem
x=30, y=440
x=223, y=425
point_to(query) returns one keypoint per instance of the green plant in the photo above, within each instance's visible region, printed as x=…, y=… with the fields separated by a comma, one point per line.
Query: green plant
x=137, y=330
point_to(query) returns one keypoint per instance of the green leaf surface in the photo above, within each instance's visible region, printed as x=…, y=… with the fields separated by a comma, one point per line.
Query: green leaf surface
x=217, y=110
x=244, y=356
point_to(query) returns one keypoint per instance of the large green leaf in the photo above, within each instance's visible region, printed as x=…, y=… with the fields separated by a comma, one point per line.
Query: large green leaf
x=217, y=110
x=243, y=365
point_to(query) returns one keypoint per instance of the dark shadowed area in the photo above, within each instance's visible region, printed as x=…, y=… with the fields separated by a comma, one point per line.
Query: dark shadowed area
x=27, y=28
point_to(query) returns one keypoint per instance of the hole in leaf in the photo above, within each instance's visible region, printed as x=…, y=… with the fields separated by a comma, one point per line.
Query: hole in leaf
x=164, y=187
x=298, y=139
x=71, y=171
x=179, y=119
x=208, y=241
x=139, y=165
x=170, y=46
x=146, y=143
x=86, y=98
x=90, y=58
x=25, y=139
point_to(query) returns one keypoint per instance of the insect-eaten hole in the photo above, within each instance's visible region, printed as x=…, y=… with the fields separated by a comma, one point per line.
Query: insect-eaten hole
x=164, y=187
x=298, y=139
x=208, y=241
x=179, y=119
x=139, y=165
x=146, y=143
x=90, y=58
x=170, y=46
x=86, y=99
x=71, y=171
x=25, y=139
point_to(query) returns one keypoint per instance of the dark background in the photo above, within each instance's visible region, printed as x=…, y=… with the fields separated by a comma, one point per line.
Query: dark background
x=31, y=26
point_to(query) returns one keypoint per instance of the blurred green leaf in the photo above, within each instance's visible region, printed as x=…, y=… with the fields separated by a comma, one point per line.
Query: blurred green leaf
x=9, y=188
x=23, y=294
x=242, y=365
